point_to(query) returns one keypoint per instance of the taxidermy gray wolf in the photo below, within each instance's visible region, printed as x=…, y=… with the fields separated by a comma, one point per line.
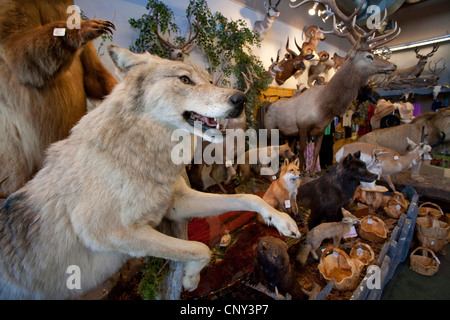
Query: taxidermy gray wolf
x=328, y=230
x=44, y=82
x=325, y=195
x=102, y=191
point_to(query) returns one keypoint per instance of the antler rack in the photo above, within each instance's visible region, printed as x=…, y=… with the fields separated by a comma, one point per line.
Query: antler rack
x=348, y=28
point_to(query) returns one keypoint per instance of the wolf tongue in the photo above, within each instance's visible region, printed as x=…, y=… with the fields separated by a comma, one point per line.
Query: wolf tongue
x=209, y=121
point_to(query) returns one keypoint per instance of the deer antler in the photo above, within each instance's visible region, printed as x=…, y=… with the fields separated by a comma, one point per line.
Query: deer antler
x=434, y=69
x=347, y=27
x=248, y=80
x=435, y=48
x=188, y=42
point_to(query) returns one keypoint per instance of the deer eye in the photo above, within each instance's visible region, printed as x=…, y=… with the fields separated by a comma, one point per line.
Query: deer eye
x=186, y=80
x=369, y=57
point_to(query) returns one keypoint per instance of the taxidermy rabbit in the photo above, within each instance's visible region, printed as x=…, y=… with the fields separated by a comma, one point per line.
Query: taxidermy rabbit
x=328, y=230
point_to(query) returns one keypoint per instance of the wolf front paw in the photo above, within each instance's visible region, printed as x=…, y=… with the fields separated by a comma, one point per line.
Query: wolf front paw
x=190, y=283
x=284, y=224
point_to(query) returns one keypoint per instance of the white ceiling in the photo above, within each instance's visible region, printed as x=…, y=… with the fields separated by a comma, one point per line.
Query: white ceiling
x=423, y=20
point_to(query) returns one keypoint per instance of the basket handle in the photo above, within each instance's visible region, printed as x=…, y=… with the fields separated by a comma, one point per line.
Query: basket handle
x=429, y=251
x=433, y=204
x=369, y=248
x=401, y=203
x=330, y=249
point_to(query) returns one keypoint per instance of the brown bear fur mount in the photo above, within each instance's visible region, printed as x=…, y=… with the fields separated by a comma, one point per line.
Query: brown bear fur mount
x=44, y=82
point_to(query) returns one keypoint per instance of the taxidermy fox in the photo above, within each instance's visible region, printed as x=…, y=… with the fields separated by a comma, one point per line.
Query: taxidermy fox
x=282, y=193
x=328, y=230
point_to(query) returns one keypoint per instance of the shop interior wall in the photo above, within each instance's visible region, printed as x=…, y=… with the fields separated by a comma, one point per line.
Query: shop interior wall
x=120, y=11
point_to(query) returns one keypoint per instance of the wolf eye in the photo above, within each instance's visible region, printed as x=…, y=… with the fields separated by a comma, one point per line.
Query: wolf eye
x=186, y=80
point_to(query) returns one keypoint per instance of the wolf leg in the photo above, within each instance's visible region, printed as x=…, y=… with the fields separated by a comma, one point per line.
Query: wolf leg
x=146, y=241
x=189, y=203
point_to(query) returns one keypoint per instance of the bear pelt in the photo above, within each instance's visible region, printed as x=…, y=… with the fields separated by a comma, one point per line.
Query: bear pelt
x=273, y=268
x=44, y=82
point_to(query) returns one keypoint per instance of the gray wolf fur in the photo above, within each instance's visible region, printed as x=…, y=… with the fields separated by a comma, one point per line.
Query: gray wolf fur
x=102, y=191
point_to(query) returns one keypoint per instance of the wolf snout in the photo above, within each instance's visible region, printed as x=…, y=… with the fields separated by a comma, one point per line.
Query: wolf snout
x=237, y=100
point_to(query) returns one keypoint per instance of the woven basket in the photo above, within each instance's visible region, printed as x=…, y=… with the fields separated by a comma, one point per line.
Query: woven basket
x=396, y=205
x=373, y=229
x=430, y=208
x=430, y=227
x=437, y=245
x=424, y=264
x=363, y=252
x=336, y=265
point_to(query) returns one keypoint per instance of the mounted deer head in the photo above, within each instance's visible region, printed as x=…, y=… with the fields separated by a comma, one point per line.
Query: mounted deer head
x=178, y=52
x=263, y=26
x=292, y=63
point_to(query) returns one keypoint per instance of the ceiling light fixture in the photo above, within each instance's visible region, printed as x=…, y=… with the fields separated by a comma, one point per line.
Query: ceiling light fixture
x=312, y=11
x=420, y=43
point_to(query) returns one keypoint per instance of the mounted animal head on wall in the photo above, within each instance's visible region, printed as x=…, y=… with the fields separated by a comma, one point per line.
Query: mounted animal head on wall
x=292, y=63
x=177, y=52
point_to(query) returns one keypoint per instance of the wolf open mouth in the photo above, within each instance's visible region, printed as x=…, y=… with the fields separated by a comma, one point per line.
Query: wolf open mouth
x=207, y=123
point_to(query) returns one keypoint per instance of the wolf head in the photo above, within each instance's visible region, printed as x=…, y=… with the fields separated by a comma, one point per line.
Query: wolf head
x=175, y=93
x=356, y=168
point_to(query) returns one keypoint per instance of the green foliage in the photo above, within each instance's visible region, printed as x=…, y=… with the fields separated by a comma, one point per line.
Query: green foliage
x=152, y=274
x=159, y=16
x=226, y=44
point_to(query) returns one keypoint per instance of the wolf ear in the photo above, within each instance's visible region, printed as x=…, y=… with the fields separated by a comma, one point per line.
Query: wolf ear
x=124, y=60
x=357, y=154
x=347, y=160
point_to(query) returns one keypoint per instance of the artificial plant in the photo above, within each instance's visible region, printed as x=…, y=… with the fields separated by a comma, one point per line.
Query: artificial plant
x=225, y=43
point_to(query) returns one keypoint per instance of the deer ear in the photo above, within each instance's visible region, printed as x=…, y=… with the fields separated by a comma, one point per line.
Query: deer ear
x=189, y=48
x=125, y=60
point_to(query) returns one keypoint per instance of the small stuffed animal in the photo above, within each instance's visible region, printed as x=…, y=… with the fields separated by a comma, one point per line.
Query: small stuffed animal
x=329, y=230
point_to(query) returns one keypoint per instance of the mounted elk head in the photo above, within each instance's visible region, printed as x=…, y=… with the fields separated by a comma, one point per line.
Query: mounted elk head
x=178, y=52
x=292, y=63
x=263, y=26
